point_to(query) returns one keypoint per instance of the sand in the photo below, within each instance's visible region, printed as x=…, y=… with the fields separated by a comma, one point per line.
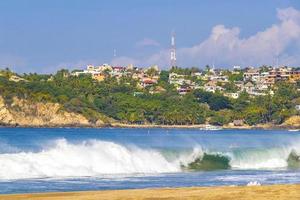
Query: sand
x=274, y=192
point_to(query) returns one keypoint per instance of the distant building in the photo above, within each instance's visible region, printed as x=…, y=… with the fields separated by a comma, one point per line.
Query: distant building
x=251, y=75
x=212, y=86
x=98, y=76
x=233, y=95
x=15, y=78
x=249, y=87
x=236, y=67
x=148, y=82
x=238, y=122
x=183, y=90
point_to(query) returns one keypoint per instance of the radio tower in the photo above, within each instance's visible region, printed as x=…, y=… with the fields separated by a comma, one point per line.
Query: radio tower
x=173, y=51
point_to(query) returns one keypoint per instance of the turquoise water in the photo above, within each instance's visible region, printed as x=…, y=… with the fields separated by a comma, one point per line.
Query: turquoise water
x=62, y=159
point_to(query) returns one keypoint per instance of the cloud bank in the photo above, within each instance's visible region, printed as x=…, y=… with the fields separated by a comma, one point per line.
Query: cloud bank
x=225, y=47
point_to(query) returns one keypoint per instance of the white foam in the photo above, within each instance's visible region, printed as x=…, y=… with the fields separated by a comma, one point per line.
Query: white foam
x=260, y=159
x=101, y=158
x=253, y=183
x=188, y=157
x=91, y=158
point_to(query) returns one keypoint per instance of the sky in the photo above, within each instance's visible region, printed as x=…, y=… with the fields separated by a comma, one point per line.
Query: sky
x=44, y=36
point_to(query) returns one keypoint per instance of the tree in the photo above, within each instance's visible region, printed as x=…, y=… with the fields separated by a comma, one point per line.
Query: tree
x=215, y=101
x=222, y=117
x=236, y=77
x=164, y=77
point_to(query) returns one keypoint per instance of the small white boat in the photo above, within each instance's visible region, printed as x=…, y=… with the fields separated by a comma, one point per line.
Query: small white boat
x=209, y=127
x=293, y=130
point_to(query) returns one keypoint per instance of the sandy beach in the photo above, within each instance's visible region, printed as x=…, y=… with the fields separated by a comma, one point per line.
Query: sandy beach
x=278, y=192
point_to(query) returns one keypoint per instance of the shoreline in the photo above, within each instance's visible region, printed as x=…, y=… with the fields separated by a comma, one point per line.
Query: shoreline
x=266, y=192
x=145, y=126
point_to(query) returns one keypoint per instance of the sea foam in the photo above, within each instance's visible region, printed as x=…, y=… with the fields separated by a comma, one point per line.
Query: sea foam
x=95, y=158
x=89, y=158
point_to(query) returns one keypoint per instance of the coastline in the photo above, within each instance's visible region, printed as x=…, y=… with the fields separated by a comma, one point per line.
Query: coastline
x=145, y=126
x=267, y=192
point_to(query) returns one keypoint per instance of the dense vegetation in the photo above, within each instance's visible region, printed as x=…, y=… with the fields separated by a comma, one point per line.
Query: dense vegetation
x=123, y=101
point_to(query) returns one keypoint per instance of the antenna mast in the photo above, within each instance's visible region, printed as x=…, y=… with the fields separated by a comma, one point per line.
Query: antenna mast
x=173, y=51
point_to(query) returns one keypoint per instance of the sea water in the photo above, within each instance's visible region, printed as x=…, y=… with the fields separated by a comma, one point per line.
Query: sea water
x=73, y=159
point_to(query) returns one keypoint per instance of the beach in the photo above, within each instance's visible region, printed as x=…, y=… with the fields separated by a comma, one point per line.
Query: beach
x=278, y=192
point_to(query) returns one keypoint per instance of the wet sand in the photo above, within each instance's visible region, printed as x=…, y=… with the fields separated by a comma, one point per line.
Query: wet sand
x=274, y=192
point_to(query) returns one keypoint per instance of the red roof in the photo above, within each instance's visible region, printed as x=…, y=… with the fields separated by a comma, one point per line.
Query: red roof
x=148, y=81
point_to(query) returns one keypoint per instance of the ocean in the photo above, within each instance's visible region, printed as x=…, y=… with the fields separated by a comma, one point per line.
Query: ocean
x=76, y=159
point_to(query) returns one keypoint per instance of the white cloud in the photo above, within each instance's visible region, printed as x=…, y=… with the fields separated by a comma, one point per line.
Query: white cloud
x=147, y=42
x=226, y=47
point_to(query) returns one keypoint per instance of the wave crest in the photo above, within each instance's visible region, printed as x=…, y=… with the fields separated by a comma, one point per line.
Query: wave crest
x=97, y=158
x=92, y=158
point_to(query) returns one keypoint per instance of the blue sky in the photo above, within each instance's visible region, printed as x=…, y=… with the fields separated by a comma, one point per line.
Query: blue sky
x=43, y=36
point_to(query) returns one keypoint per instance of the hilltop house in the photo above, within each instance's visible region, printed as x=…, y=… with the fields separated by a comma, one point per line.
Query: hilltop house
x=251, y=75
x=249, y=87
x=17, y=78
x=212, y=86
x=182, y=90
x=218, y=78
x=148, y=82
x=96, y=73
x=233, y=95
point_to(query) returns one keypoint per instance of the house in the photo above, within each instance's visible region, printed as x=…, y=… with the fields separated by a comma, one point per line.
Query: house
x=280, y=74
x=130, y=67
x=212, y=86
x=251, y=75
x=15, y=78
x=295, y=76
x=183, y=90
x=262, y=86
x=249, y=87
x=98, y=76
x=236, y=68
x=118, y=69
x=233, y=95
x=148, y=82
x=90, y=68
x=179, y=80
x=176, y=79
x=104, y=67
x=157, y=90
x=239, y=84
x=238, y=122
x=218, y=78
x=197, y=74
x=138, y=75
x=95, y=72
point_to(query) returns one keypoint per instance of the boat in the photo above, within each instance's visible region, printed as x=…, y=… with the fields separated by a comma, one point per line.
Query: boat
x=209, y=127
x=293, y=130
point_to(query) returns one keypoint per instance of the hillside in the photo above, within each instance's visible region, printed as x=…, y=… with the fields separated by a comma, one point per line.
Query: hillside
x=26, y=113
x=66, y=100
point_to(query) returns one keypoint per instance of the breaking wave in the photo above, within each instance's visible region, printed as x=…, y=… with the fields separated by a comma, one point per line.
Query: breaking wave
x=97, y=158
